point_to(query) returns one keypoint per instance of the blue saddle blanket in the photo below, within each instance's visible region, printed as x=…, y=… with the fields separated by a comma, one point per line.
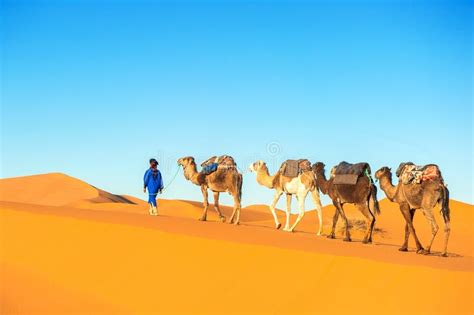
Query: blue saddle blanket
x=209, y=169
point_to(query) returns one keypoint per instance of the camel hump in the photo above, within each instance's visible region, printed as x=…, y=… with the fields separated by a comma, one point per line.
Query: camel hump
x=345, y=168
x=220, y=160
x=409, y=173
x=348, y=174
x=215, y=163
x=292, y=168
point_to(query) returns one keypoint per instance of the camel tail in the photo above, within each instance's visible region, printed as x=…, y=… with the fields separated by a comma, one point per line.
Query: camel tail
x=373, y=196
x=239, y=186
x=444, y=201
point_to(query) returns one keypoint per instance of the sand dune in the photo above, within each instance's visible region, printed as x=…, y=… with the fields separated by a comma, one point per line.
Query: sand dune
x=57, y=189
x=79, y=249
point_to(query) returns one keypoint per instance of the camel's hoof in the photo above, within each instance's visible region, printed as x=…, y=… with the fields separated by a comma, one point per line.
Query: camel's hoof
x=426, y=252
x=420, y=250
x=403, y=249
x=278, y=226
x=236, y=223
x=331, y=236
x=319, y=234
x=347, y=239
x=202, y=219
x=222, y=219
x=366, y=241
x=444, y=254
x=290, y=230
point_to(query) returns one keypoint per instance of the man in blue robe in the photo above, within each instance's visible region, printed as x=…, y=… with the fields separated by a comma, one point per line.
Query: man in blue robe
x=154, y=183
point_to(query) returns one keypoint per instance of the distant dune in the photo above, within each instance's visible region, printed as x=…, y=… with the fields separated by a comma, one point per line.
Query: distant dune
x=57, y=189
x=68, y=247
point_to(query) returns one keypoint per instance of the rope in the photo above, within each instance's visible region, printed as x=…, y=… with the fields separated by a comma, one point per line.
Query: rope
x=172, y=180
x=366, y=173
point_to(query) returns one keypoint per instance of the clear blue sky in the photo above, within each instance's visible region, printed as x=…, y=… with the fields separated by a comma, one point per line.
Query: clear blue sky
x=95, y=88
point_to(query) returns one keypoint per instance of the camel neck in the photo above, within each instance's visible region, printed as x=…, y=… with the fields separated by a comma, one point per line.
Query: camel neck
x=387, y=187
x=322, y=182
x=264, y=178
x=191, y=173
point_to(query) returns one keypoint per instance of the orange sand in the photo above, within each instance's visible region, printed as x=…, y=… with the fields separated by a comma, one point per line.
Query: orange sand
x=81, y=250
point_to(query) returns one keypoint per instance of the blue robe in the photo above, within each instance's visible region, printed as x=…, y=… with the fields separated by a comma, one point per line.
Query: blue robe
x=153, y=184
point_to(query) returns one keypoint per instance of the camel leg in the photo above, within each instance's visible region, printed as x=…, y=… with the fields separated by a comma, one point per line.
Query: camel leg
x=205, y=203
x=447, y=231
x=404, y=247
x=272, y=208
x=405, y=209
x=364, y=209
x=216, y=206
x=237, y=207
x=288, y=212
x=343, y=215
x=231, y=220
x=428, y=213
x=301, y=198
x=334, y=223
x=319, y=209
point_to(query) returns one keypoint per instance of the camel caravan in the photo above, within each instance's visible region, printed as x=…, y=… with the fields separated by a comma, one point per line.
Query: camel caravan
x=419, y=187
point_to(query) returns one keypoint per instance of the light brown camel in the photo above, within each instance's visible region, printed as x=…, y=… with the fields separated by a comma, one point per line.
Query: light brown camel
x=422, y=196
x=363, y=194
x=222, y=180
x=299, y=186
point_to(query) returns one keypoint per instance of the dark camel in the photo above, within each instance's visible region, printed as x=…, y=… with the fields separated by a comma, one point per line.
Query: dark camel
x=422, y=196
x=363, y=194
x=222, y=180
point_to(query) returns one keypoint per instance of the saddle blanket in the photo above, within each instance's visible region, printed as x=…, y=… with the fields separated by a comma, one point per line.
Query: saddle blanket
x=348, y=174
x=346, y=179
x=224, y=160
x=213, y=163
x=410, y=173
x=293, y=168
x=209, y=169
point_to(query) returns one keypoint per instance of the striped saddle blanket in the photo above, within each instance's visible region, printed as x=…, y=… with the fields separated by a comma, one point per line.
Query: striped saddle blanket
x=410, y=173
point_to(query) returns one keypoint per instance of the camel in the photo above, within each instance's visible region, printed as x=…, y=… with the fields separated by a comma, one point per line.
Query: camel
x=299, y=186
x=422, y=196
x=222, y=180
x=363, y=194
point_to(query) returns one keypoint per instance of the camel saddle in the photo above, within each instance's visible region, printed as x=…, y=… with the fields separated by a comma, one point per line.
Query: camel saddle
x=213, y=163
x=348, y=174
x=293, y=168
x=409, y=173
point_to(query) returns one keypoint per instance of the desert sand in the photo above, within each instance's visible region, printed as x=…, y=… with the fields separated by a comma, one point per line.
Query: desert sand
x=70, y=248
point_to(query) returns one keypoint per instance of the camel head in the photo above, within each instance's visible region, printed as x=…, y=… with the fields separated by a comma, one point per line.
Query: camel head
x=185, y=161
x=384, y=171
x=257, y=166
x=318, y=168
x=189, y=166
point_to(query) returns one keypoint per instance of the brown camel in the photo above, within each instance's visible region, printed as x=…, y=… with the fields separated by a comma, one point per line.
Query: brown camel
x=363, y=194
x=224, y=179
x=422, y=196
x=299, y=186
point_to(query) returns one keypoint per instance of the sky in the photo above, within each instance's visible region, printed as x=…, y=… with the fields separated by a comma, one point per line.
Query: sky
x=94, y=89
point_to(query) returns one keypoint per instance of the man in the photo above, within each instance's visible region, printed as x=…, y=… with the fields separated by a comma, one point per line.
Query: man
x=154, y=183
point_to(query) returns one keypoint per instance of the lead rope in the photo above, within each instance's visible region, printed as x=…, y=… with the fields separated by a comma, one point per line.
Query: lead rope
x=366, y=173
x=172, y=180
